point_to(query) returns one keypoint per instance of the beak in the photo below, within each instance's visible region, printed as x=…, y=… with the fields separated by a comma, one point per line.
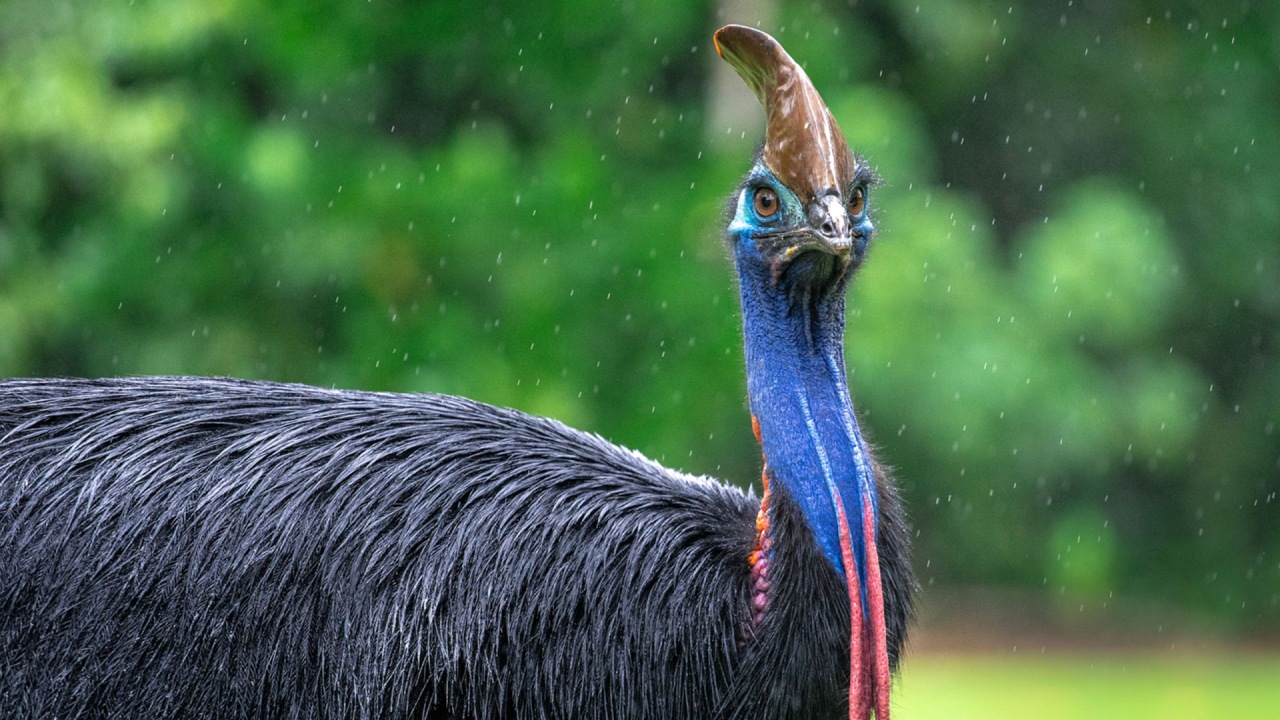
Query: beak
x=829, y=221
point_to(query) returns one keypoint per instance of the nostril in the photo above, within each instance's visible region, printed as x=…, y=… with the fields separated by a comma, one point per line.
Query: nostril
x=826, y=217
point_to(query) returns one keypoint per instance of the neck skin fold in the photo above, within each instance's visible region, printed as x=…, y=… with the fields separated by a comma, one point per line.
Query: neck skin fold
x=800, y=396
x=813, y=447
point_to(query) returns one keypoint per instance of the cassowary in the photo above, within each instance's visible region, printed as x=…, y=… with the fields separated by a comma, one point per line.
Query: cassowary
x=211, y=548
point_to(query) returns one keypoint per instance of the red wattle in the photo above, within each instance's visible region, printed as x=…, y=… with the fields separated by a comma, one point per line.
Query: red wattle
x=859, y=679
x=875, y=603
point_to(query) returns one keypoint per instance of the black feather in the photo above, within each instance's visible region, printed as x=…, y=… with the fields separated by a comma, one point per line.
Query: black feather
x=181, y=547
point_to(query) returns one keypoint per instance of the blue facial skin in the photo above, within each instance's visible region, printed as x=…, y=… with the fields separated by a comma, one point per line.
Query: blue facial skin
x=793, y=323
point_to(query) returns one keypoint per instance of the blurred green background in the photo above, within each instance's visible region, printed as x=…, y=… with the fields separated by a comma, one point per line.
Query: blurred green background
x=1065, y=338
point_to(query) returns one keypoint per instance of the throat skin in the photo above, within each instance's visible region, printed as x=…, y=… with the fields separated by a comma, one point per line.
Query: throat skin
x=799, y=394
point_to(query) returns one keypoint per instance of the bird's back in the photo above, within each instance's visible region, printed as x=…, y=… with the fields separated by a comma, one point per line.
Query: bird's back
x=195, y=548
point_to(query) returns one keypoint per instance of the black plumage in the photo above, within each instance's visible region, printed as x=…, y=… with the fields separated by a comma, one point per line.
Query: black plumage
x=181, y=547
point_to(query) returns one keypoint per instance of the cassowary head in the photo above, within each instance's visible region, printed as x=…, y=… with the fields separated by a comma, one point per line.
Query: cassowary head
x=804, y=203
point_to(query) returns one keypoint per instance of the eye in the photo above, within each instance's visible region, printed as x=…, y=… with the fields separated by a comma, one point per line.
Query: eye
x=766, y=202
x=857, y=202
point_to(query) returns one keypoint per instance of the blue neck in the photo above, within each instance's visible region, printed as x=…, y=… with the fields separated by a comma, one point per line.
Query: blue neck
x=800, y=395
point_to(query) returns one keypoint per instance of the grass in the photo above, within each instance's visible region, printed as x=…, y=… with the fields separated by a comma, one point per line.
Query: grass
x=1097, y=687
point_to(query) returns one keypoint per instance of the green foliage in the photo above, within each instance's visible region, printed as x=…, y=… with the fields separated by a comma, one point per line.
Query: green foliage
x=1065, y=337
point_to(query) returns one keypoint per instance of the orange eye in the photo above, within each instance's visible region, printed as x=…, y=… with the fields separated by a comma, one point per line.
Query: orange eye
x=766, y=202
x=857, y=202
